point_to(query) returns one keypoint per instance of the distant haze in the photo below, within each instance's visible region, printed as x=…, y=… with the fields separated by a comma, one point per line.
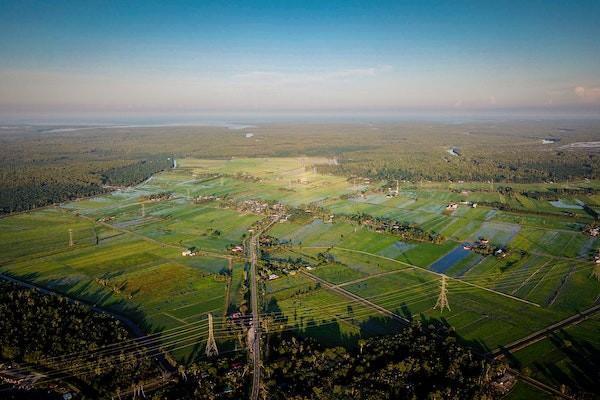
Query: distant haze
x=95, y=60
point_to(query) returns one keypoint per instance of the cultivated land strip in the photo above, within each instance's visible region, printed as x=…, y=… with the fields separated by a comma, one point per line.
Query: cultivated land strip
x=431, y=272
x=149, y=239
x=353, y=296
x=543, y=333
x=365, y=278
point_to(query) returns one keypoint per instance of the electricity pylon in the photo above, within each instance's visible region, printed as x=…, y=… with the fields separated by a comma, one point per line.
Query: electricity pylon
x=442, y=301
x=211, y=345
x=70, y=237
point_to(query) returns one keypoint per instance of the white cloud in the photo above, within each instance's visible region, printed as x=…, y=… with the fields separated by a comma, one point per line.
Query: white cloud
x=590, y=94
x=304, y=78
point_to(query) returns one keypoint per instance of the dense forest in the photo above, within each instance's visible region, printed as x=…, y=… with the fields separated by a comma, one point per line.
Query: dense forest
x=41, y=165
x=417, y=363
x=36, y=328
x=39, y=184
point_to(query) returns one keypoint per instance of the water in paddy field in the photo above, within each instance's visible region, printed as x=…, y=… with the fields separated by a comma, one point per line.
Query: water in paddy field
x=444, y=263
x=562, y=204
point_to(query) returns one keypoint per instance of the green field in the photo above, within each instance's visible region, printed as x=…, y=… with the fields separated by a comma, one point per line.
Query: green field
x=126, y=256
x=569, y=356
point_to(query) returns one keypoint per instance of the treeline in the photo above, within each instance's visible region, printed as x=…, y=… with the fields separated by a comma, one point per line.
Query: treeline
x=507, y=207
x=37, y=186
x=553, y=194
x=137, y=172
x=402, y=229
x=157, y=196
x=480, y=167
x=26, y=196
x=417, y=363
x=36, y=327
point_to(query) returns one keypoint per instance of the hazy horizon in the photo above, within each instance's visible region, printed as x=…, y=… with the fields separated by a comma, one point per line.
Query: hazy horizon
x=103, y=59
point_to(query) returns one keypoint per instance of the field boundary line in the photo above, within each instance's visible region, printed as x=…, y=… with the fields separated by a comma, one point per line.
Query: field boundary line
x=353, y=296
x=530, y=277
x=144, y=237
x=365, y=278
x=432, y=272
x=175, y=318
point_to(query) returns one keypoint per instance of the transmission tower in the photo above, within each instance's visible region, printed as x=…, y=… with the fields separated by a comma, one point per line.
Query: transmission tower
x=70, y=237
x=211, y=345
x=442, y=301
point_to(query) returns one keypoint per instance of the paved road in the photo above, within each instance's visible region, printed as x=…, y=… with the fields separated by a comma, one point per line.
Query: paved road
x=542, y=386
x=255, y=318
x=253, y=250
x=542, y=333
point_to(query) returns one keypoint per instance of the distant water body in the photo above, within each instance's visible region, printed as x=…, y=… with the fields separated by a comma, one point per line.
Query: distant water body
x=228, y=125
x=242, y=121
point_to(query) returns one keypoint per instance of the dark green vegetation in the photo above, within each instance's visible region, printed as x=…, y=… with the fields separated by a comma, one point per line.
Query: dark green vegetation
x=38, y=328
x=43, y=165
x=415, y=364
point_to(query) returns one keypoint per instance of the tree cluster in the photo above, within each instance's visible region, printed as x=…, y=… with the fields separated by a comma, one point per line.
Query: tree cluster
x=416, y=363
x=37, y=327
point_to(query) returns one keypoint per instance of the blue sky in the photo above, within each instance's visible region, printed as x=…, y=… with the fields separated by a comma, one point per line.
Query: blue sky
x=335, y=56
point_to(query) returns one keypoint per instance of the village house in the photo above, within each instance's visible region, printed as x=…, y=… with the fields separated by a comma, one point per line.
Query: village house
x=237, y=249
x=500, y=253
